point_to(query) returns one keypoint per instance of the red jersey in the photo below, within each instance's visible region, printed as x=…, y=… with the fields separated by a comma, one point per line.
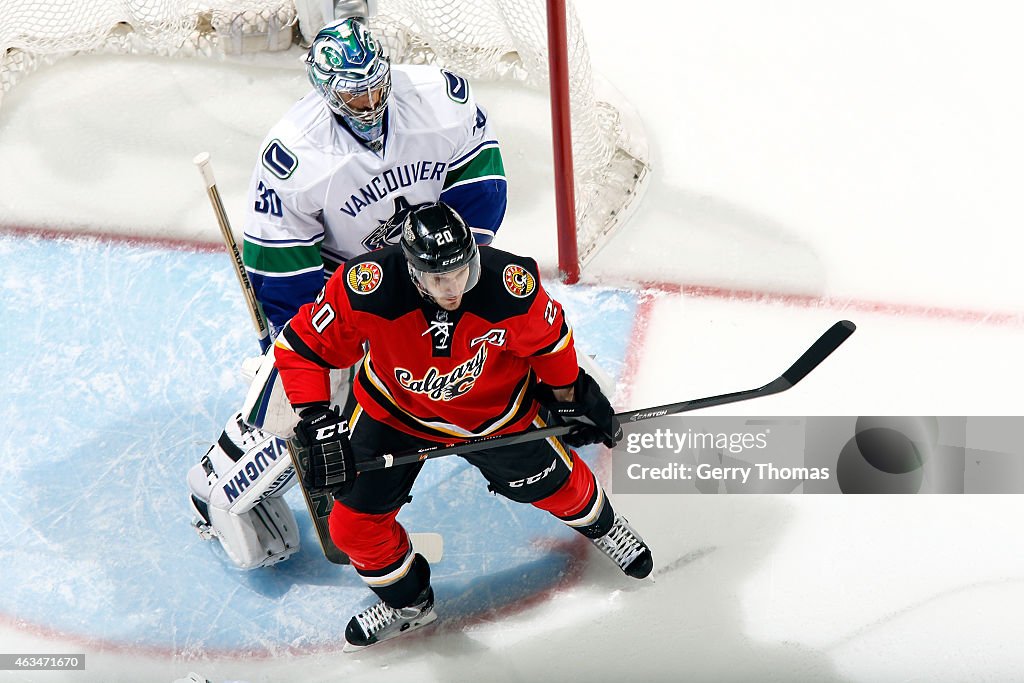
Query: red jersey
x=436, y=374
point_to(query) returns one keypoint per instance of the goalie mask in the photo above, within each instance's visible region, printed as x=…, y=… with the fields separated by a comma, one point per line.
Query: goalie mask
x=444, y=261
x=349, y=69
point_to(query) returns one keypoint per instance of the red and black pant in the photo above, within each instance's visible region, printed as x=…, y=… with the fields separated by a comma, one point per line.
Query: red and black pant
x=544, y=473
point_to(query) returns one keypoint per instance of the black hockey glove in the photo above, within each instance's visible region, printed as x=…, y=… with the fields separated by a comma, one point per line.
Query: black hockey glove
x=589, y=408
x=323, y=435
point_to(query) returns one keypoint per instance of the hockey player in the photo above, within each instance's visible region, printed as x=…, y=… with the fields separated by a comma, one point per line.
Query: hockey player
x=463, y=342
x=334, y=178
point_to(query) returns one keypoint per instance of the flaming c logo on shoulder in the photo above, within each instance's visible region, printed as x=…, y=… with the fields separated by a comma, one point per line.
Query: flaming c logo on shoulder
x=518, y=281
x=364, y=278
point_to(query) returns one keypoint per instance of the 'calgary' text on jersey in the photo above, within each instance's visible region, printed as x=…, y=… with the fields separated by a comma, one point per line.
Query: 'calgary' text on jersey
x=440, y=375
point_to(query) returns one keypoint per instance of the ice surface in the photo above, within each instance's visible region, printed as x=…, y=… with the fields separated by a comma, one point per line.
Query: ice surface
x=810, y=163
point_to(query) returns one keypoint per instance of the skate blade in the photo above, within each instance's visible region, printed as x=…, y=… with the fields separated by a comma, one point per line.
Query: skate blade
x=426, y=621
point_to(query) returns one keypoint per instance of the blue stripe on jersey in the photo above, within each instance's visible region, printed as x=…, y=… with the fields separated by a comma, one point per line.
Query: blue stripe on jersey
x=281, y=297
x=465, y=157
x=336, y=255
x=481, y=204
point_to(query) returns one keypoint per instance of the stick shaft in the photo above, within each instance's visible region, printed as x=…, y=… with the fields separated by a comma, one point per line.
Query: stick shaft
x=320, y=504
x=821, y=349
x=259, y=321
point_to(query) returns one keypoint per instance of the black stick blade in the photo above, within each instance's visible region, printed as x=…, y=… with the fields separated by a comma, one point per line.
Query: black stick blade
x=819, y=351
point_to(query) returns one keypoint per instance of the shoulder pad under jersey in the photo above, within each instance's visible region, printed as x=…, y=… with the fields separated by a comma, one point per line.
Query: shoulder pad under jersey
x=508, y=285
x=378, y=283
x=446, y=92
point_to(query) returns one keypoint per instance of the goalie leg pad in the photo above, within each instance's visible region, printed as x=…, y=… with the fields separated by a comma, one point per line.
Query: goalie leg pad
x=261, y=536
x=248, y=466
x=236, y=498
x=266, y=405
x=244, y=467
x=265, y=535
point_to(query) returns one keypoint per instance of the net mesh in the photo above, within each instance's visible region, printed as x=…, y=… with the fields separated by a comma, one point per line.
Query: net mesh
x=484, y=39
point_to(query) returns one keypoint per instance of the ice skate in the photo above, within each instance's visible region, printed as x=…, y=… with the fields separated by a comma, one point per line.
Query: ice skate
x=381, y=622
x=627, y=549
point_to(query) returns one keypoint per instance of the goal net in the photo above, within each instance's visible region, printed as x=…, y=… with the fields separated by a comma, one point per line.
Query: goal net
x=482, y=39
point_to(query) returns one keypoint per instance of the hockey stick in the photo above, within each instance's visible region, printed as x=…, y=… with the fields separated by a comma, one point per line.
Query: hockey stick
x=319, y=503
x=319, y=506
x=202, y=161
x=811, y=358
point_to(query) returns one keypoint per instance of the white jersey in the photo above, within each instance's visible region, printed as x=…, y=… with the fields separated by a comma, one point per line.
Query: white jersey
x=320, y=196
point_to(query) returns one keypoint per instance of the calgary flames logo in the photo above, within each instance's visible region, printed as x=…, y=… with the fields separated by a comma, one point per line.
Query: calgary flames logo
x=438, y=386
x=518, y=281
x=364, y=278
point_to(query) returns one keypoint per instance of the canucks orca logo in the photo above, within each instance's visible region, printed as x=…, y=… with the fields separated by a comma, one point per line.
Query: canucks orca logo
x=328, y=59
x=389, y=231
x=279, y=160
x=385, y=234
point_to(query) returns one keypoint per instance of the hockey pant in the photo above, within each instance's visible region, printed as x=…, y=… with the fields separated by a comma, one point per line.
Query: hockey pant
x=363, y=523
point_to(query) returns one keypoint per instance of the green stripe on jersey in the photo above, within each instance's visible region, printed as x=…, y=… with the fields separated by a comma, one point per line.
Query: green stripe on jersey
x=282, y=260
x=487, y=162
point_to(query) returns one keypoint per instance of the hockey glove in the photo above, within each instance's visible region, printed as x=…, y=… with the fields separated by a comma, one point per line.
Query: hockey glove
x=590, y=408
x=323, y=435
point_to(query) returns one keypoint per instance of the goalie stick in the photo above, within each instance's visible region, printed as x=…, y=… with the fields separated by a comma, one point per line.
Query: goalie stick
x=810, y=359
x=319, y=503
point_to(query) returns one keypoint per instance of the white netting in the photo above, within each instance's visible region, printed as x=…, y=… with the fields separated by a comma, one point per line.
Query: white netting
x=38, y=32
x=490, y=39
x=482, y=39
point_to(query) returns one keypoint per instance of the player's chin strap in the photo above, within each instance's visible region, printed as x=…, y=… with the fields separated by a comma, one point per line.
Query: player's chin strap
x=417, y=285
x=811, y=358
